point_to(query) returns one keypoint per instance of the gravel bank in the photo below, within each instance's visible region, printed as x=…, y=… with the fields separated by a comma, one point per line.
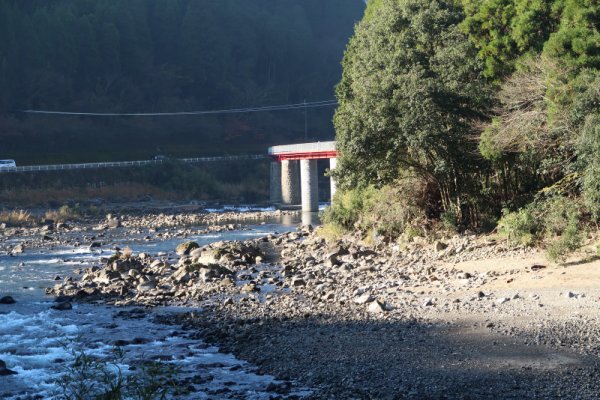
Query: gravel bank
x=469, y=318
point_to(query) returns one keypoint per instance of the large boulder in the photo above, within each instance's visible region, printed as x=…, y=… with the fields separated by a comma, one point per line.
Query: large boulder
x=64, y=306
x=213, y=272
x=105, y=276
x=7, y=300
x=208, y=257
x=185, y=248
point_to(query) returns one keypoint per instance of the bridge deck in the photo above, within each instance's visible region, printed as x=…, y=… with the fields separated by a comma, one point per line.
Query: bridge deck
x=304, y=151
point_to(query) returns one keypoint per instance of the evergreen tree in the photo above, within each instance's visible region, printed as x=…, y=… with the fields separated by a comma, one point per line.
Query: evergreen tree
x=410, y=90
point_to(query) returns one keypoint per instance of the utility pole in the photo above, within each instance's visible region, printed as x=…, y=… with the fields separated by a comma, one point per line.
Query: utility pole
x=305, y=122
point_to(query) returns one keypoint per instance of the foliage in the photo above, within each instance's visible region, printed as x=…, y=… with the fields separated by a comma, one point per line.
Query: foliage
x=591, y=178
x=562, y=228
x=539, y=135
x=388, y=211
x=576, y=42
x=505, y=30
x=519, y=227
x=241, y=181
x=556, y=221
x=372, y=8
x=70, y=212
x=410, y=90
x=331, y=232
x=348, y=207
x=90, y=378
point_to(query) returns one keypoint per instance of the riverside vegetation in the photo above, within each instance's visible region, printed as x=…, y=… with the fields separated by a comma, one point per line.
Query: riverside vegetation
x=471, y=115
x=240, y=181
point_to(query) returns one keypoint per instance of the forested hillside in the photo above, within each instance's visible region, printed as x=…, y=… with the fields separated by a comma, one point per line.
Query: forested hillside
x=477, y=114
x=165, y=56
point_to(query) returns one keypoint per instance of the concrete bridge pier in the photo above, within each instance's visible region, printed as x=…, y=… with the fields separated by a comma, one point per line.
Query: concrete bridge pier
x=309, y=179
x=276, y=194
x=299, y=173
x=332, y=166
x=290, y=184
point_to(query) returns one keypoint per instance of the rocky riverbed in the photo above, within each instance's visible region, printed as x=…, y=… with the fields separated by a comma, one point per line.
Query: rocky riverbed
x=467, y=317
x=40, y=337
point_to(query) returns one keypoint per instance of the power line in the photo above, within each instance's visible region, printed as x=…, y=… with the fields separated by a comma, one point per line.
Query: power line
x=283, y=107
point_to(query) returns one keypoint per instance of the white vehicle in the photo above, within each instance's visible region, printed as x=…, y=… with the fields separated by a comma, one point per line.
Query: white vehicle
x=7, y=164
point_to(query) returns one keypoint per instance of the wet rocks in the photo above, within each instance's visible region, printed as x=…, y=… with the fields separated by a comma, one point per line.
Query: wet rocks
x=64, y=306
x=5, y=371
x=144, y=280
x=7, y=300
x=18, y=249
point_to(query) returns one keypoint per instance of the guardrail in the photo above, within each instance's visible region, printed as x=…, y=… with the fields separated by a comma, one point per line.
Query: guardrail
x=303, y=148
x=61, y=167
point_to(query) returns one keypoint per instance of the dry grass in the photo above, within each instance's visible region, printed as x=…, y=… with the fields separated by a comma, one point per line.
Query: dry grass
x=17, y=218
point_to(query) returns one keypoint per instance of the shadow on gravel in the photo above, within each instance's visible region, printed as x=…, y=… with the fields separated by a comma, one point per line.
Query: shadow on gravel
x=396, y=360
x=585, y=260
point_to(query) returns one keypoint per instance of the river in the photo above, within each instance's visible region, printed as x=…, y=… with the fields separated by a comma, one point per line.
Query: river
x=40, y=343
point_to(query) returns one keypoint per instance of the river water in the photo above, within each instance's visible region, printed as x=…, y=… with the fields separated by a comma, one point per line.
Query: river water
x=40, y=343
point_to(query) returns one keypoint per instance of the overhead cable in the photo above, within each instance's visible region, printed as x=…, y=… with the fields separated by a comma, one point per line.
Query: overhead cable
x=313, y=104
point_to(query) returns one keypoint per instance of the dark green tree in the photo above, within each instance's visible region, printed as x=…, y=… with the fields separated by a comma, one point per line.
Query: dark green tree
x=577, y=40
x=411, y=89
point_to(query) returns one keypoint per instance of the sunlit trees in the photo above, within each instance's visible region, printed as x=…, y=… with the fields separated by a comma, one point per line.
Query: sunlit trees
x=411, y=89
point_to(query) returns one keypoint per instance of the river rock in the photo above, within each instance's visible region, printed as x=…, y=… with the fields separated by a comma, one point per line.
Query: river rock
x=7, y=300
x=364, y=299
x=213, y=271
x=114, y=223
x=65, y=306
x=5, y=371
x=439, y=245
x=185, y=248
x=18, y=249
x=298, y=282
x=106, y=276
x=146, y=286
x=181, y=275
x=208, y=257
x=377, y=307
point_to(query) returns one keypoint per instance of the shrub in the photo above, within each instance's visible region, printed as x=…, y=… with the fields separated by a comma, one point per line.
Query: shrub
x=562, y=230
x=389, y=211
x=347, y=207
x=16, y=218
x=519, y=227
x=89, y=377
x=555, y=220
